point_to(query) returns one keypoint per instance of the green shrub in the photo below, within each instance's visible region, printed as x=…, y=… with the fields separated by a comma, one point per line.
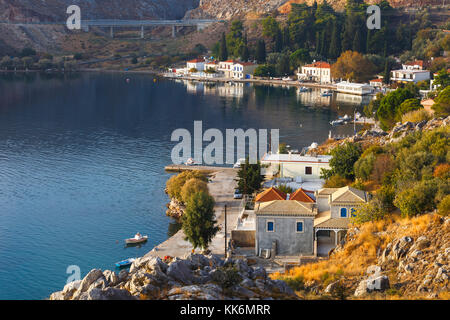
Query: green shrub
x=343, y=161
x=444, y=206
x=176, y=183
x=192, y=186
x=364, y=167
x=417, y=199
x=371, y=211
x=284, y=188
x=226, y=277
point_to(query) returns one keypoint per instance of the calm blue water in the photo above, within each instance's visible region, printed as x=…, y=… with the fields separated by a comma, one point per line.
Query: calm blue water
x=82, y=162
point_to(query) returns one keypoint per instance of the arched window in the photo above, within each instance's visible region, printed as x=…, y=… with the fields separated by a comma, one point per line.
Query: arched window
x=343, y=212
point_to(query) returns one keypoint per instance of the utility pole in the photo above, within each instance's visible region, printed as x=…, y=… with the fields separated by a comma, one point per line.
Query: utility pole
x=225, y=232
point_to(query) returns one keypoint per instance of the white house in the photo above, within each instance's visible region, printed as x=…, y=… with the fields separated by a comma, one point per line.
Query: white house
x=198, y=64
x=376, y=83
x=294, y=165
x=226, y=67
x=214, y=65
x=354, y=88
x=318, y=71
x=243, y=70
x=413, y=65
x=406, y=75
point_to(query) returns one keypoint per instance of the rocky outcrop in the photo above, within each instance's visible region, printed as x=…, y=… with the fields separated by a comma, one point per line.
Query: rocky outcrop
x=196, y=277
x=175, y=209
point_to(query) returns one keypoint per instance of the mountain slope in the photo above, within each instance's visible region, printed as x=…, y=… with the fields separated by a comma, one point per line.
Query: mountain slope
x=55, y=10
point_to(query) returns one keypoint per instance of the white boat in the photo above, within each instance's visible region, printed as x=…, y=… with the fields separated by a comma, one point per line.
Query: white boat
x=326, y=93
x=190, y=162
x=238, y=164
x=304, y=89
x=346, y=118
x=136, y=239
x=337, y=122
x=287, y=79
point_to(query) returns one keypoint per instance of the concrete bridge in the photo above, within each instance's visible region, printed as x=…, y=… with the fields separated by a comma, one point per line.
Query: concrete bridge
x=114, y=23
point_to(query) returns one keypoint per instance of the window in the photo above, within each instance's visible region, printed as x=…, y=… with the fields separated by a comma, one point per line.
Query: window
x=299, y=227
x=343, y=212
x=270, y=226
x=352, y=212
x=308, y=170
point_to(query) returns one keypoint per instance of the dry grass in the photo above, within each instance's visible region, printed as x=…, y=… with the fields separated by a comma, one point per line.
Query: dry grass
x=361, y=252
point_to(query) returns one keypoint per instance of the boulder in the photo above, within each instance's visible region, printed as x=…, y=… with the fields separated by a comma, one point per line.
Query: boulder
x=180, y=270
x=243, y=292
x=259, y=273
x=282, y=287
x=156, y=263
x=90, y=278
x=70, y=289
x=123, y=275
x=401, y=247
x=198, y=261
x=111, y=277
x=361, y=289
x=109, y=294
x=379, y=283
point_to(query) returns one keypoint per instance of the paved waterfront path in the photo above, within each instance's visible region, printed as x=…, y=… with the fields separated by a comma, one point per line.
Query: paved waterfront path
x=221, y=187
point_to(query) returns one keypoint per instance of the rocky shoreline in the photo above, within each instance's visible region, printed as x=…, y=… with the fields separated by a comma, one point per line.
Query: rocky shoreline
x=196, y=277
x=175, y=209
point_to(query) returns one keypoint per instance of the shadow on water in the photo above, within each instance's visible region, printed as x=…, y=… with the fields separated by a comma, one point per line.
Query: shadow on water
x=174, y=227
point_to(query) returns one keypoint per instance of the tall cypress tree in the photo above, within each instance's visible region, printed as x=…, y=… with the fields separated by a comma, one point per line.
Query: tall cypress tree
x=357, y=41
x=368, y=48
x=387, y=73
x=335, y=49
x=223, y=52
x=261, y=51
x=278, y=41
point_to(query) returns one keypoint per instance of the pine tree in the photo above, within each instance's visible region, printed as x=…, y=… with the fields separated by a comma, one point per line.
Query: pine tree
x=368, y=49
x=198, y=221
x=223, y=52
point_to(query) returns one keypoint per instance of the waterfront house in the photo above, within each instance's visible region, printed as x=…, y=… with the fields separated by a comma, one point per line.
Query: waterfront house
x=318, y=71
x=243, y=70
x=376, y=83
x=284, y=227
x=405, y=76
x=226, y=67
x=198, y=64
x=354, y=88
x=336, y=206
x=294, y=165
x=308, y=228
x=212, y=65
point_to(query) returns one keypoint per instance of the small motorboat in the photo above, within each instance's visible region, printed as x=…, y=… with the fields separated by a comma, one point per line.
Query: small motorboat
x=303, y=89
x=138, y=238
x=125, y=263
x=327, y=93
x=190, y=162
x=337, y=122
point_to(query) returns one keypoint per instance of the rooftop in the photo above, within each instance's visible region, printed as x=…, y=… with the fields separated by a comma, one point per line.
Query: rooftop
x=352, y=84
x=348, y=194
x=301, y=195
x=318, y=64
x=285, y=157
x=286, y=208
x=410, y=71
x=270, y=195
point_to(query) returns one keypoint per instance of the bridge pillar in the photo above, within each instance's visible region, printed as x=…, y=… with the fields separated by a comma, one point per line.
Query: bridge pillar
x=111, y=32
x=142, y=32
x=173, y=31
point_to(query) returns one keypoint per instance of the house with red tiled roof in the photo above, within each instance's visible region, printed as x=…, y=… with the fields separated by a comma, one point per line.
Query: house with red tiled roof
x=270, y=195
x=198, y=64
x=301, y=195
x=413, y=65
x=318, y=71
x=376, y=83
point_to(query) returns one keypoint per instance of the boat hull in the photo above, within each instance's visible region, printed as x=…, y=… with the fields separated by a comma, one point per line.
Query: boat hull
x=135, y=241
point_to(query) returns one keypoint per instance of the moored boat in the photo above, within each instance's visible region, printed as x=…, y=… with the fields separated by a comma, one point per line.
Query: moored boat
x=124, y=263
x=136, y=239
